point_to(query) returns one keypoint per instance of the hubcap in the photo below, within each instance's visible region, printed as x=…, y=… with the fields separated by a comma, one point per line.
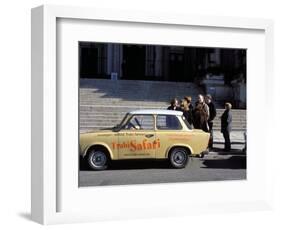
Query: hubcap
x=98, y=159
x=179, y=157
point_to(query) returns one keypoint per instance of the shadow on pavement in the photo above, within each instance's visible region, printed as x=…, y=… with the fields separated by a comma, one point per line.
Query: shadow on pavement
x=233, y=162
x=132, y=164
x=221, y=151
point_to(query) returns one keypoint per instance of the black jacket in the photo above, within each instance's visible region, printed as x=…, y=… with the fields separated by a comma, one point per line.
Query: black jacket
x=213, y=112
x=226, y=121
x=188, y=116
x=174, y=108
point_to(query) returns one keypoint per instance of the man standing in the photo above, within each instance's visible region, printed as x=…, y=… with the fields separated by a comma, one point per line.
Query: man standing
x=226, y=125
x=174, y=105
x=213, y=113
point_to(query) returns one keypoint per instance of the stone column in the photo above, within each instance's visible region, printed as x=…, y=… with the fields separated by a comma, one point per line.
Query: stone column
x=120, y=73
x=109, y=58
x=114, y=59
x=165, y=61
x=149, y=61
x=158, y=61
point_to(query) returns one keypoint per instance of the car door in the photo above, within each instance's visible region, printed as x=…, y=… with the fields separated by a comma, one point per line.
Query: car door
x=136, y=140
x=169, y=132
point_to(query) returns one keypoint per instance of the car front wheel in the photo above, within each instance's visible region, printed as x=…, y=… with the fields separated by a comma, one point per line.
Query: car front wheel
x=98, y=159
x=179, y=157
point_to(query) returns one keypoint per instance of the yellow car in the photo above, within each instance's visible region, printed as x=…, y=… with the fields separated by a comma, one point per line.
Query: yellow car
x=145, y=134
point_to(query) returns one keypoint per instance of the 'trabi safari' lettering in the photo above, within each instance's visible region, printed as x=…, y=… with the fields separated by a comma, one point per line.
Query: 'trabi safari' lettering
x=137, y=146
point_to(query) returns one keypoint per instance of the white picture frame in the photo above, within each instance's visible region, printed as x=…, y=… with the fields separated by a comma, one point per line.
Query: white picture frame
x=55, y=201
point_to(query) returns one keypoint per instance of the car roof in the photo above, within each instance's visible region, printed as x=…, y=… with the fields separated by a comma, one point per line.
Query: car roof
x=156, y=111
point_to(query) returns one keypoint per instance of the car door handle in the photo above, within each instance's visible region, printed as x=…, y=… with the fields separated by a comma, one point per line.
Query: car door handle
x=149, y=135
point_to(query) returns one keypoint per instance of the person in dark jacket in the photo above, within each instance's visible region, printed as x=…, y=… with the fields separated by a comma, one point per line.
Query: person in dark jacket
x=174, y=105
x=201, y=114
x=226, y=125
x=213, y=114
x=188, y=110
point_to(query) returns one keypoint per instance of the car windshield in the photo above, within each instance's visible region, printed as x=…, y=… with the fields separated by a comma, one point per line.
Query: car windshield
x=139, y=121
x=122, y=123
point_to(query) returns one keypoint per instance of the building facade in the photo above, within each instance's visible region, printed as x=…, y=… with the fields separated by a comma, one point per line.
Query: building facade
x=155, y=62
x=213, y=68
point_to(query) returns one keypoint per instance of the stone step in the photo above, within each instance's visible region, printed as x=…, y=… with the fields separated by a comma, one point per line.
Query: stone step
x=123, y=103
x=88, y=127
x=100, y=119
x=119, y=115
x=114, y=124
x=106, y=120
x=127, y=85
x=114, y=120
x=121, y=111
x=103, y=120
x=95, y=94
x=109, y=92
x=131, y=100
x=103, y=103
x=140, y=91
x=98, y=114
x=136, y=99
x=115, y=111
x=124, y=107
x=103, y=89
x=92, y=83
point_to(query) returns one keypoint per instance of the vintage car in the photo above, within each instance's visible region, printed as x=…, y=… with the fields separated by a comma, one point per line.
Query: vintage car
x=145, y=134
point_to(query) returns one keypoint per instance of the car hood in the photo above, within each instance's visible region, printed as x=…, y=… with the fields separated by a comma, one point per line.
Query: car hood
x=97, y=131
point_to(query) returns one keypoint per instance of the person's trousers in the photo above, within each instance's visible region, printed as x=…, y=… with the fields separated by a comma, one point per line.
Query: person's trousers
x=210, y=123
x=227, y=144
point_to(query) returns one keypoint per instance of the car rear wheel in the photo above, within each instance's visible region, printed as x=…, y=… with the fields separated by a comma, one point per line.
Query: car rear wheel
x=98, y=159
x=179, y=157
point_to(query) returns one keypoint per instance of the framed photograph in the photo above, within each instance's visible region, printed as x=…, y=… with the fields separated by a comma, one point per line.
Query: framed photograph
x=145, y=114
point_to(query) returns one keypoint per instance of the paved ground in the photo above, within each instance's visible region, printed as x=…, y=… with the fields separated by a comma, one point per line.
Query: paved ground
x=218, y=165
x=235, y=137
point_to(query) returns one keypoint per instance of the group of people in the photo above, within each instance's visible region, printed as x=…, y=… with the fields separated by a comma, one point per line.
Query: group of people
x=202, y=115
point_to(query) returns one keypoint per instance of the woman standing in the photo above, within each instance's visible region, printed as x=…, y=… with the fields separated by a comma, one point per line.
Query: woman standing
x=189, y=108
x=201, y=114
x=187, y=112
x=226, y=125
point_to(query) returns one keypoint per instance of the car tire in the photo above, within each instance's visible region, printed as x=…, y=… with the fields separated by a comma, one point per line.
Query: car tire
x=98, y=159
x=179, y=157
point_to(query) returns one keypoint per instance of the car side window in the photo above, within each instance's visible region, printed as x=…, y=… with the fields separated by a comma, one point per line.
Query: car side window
x=168, y=122
x=140, y=122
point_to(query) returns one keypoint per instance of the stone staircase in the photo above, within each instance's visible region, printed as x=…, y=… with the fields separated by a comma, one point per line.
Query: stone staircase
x=103, y=103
